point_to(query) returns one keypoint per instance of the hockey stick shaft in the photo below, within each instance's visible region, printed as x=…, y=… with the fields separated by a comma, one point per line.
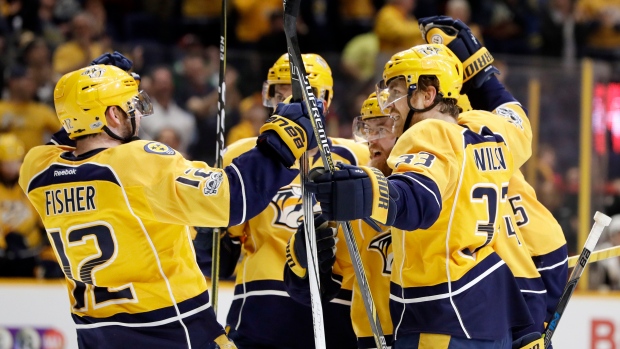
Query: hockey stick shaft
x=309, y=229
x=298, y=72
x=600, y=222
x=219, y=148
x=596, y=256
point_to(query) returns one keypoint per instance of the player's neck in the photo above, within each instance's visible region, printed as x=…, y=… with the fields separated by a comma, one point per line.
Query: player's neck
x=102, y=140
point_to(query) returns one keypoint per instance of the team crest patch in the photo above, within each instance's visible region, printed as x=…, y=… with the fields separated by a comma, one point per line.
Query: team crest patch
x=94, y=72
x=511, y=115
x=213, y=183
x=158, y=148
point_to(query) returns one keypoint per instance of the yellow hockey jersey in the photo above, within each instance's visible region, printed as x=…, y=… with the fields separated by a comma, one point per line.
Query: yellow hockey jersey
x=118, y=220
x=446, y=275
x=262, y=311
x=543, y=237
x=377, y=256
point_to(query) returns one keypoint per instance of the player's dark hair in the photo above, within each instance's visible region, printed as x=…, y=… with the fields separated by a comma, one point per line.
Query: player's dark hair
x=448, y=105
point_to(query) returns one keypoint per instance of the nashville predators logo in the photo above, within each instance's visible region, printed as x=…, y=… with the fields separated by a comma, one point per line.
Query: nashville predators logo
x=383, y=245
x=287, y=203
x=94, y=72
x=158, y=148
x=511, y=115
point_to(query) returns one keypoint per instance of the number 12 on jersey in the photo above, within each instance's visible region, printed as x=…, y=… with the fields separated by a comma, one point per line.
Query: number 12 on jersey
x=81, y=240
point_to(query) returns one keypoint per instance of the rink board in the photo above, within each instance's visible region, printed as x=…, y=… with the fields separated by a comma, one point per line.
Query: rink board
x=38, y=312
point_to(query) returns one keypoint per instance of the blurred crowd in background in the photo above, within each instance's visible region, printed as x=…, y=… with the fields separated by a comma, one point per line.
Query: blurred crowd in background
x=174, y=45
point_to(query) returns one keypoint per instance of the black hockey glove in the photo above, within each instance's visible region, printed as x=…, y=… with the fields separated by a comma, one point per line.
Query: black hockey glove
x=353, y=192
x=457, y=36
x=116, y=59
x=296, y=255
x=288, y=133
x=230, y=250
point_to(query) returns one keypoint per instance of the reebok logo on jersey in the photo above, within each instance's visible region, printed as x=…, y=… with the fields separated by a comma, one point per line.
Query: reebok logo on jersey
x=66, y=172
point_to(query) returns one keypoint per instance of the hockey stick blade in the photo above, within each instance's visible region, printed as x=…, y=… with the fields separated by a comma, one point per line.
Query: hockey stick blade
x=600, y=222
x=298, y=74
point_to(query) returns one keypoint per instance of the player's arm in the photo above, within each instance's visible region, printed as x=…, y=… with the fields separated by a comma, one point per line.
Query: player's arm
x=192, y=193
x=425, y=170
x=295, y=270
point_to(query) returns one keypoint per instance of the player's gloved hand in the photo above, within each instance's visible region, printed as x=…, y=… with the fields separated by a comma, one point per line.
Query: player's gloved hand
x=288, y=133
x=529, y=341
x=353, y=192
x=223, y=342
x=230, y=250
x=116, y=59
x=458, y=37
x=296, y=255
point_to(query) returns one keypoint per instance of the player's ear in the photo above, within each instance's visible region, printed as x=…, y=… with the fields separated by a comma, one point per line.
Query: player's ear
x=113, y=116
x=429, y=95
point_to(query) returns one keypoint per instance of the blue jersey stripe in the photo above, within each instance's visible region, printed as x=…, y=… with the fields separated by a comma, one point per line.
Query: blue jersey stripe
x=63, y=174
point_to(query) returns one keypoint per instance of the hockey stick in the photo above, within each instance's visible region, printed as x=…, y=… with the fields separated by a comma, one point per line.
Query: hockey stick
x=299, y=84
x=219, y=148
x=298, y=73
x=596, y=256
x=600, y=222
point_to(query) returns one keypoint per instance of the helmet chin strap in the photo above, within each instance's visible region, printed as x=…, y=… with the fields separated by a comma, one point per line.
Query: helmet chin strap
x=412, y=110
x=124, y=139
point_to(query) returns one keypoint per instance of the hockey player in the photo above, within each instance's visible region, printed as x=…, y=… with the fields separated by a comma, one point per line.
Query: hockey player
x=262, y=314
x=540, y=233
x=449, y=288
x=377, y=129
x=117, y=211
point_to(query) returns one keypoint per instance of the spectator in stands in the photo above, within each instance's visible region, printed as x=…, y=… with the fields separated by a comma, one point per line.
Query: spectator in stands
x=356, y=17
x=604, y=18
x=253, y=116
x=32, y=122
x=20, y=227
x=359, y=57
x=170, y=137
x=166, y=113
x=460, y=9
x=512, y=27
x=254, y=19
x=36, y=56
x=563, y=34
x=81, y=49
x=396, y=29
x=196, y=83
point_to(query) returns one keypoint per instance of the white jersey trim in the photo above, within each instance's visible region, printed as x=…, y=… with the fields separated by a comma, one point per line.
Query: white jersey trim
x=449, y=294
x=146, y=324
x=532, y=291
x=261, y=293
x=554, y=266
x=242, y=191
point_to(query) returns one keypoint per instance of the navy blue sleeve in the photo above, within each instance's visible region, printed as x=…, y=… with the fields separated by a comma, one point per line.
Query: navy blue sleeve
x=61, y=138
x=230, y=250
x=490, y=95
x=553, y=269
x=254, y=179
x=299, y=289
x=415, y=199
